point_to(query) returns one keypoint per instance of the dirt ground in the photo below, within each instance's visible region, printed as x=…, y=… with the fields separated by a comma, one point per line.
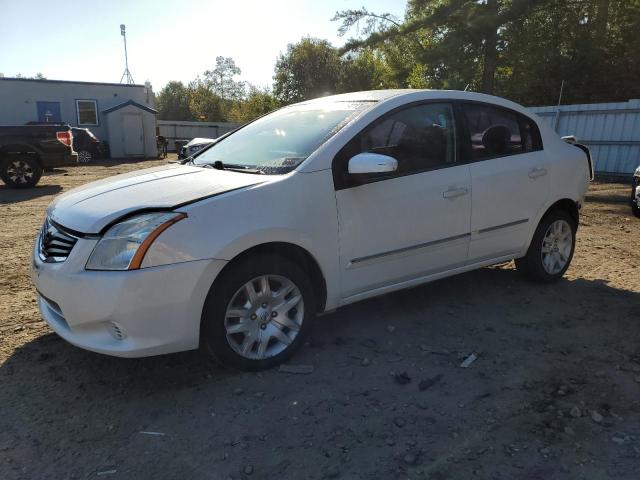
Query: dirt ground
x=554, y=392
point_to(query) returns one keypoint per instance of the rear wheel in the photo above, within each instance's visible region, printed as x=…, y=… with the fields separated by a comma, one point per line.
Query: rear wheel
x=258, y=313
x=20, y=171
x=551, y=249
x=84, y=156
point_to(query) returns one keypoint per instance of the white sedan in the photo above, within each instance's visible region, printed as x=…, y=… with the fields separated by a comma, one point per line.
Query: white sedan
x=312, y=207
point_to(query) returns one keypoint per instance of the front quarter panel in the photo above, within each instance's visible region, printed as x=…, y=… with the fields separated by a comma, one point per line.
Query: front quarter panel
x=299, y=209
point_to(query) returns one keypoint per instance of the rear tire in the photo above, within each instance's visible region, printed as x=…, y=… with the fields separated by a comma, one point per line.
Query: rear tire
x=85, y=156
x=20, y=171
x=636, y=210
x=259, y=329
x=551, y=249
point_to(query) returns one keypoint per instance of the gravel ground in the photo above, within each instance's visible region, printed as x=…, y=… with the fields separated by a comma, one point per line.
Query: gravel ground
x=554, y=392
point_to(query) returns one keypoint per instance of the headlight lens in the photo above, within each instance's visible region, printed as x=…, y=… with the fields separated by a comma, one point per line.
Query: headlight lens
x=124, y=245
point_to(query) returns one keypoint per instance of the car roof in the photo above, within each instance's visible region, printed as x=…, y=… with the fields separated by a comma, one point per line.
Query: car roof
x=412, y=94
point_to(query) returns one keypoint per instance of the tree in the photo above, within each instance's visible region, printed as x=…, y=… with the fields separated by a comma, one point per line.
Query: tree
x=172, y=102
x=222, y=79
x=309, y=69
x=441, y=33
x=258, y=102
x=205, y=105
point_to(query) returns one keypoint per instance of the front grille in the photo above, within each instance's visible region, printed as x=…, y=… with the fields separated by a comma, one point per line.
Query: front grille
x=55, y=244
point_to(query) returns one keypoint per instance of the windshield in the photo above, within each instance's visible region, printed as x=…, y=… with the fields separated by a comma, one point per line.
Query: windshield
x=277, y=143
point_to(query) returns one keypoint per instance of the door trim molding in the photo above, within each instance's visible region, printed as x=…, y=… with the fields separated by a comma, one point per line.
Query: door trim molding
x=504, y=225
x=407, y=249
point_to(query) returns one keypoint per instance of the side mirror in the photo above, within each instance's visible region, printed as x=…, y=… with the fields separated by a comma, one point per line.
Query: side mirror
x=372, y=163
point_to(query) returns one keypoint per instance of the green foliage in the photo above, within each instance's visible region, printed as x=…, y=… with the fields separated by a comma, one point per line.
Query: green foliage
x=221, y=80
x=205, y=105
x=257, y=103
x=520, y=49
x=172, y=102
x=309, y=69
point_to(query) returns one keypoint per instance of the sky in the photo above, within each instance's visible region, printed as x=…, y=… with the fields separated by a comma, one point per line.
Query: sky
x=166, y=40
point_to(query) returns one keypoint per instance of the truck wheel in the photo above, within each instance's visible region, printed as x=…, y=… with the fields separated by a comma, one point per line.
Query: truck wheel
x=84, y=156
x=551, y=248
x=20, y=171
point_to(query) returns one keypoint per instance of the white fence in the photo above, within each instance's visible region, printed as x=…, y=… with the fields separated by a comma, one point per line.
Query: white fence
x=179, y=130
x=610, y=130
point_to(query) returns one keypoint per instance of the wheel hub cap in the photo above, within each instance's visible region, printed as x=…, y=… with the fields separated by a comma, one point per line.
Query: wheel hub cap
x=264, y=316
x=556, y=247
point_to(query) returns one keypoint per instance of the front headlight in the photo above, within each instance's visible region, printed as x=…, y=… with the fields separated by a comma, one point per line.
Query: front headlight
x=125, y=244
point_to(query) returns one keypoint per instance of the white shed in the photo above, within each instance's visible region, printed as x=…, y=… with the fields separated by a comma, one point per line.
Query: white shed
x=131, y=129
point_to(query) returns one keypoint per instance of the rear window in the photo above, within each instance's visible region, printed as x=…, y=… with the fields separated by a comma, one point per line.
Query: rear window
x=497, y=132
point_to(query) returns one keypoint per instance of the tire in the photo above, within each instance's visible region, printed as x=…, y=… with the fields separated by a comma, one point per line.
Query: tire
x=636, y=210
x=228, y=326
x=20, y=171
x=85, y=156
x=552, y=236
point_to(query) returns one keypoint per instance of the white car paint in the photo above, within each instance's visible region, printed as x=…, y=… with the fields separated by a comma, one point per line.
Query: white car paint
x=369, y=240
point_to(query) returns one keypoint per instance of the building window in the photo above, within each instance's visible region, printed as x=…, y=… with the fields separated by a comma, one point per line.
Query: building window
x=87, y=112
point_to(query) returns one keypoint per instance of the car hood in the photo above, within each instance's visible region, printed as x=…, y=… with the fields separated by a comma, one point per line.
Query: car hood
x=90, y=208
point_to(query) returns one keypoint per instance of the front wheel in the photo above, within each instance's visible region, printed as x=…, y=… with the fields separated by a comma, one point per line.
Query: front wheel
x=258, y=313
x=551, y=249
x=20, y=171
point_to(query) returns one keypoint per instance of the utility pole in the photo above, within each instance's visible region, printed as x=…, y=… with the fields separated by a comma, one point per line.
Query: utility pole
x=126, y=76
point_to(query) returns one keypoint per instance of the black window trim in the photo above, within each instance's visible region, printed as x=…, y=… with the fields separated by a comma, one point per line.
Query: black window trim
x=520, y=117
x=342, y=180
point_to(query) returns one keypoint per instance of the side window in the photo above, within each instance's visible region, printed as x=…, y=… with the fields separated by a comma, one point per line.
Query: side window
x=531, y=139
x=419, y=138
x=495, y=132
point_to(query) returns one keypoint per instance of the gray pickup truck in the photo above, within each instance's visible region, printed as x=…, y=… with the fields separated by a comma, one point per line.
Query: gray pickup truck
x=27, y=150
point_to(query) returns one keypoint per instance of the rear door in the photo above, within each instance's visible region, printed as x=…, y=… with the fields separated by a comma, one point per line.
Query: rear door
x=510, y=179
x=414, y=222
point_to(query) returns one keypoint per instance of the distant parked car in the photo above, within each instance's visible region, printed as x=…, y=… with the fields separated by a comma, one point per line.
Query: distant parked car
x=27, y=150
x=307, y=209
x=635, y=193
x=194, y=146
x=86, y=144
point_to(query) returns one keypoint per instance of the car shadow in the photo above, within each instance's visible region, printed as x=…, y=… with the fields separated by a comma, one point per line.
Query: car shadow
x=50, y=362
x=53, y=393
x=16, y=195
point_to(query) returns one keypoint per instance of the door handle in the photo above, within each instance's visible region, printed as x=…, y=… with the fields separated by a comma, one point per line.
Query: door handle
x=537, y=172
x=455, y=192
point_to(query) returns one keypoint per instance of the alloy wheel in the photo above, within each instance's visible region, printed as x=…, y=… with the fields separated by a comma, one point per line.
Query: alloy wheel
x=20, y=172
x=264, y=317
x=556, y=246
x=84, y=156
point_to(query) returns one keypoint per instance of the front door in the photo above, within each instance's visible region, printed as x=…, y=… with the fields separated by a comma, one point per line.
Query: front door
x=510, y=180
x=132, y=134
x=414, y=222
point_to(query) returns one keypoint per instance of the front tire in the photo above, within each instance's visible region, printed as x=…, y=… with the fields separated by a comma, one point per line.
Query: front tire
x=258, y=313
x=20, y=171
x=551, y=249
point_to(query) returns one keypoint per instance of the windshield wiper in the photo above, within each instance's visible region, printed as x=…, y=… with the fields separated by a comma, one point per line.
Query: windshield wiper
x=219, y=165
